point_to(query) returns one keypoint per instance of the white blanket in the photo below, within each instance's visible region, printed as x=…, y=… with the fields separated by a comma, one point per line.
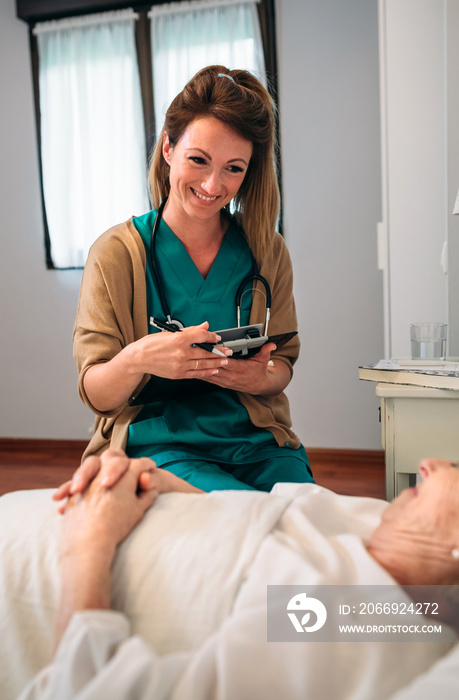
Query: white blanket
x=196, y=569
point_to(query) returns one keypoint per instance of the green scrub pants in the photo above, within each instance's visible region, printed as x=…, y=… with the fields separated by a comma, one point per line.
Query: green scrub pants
x=258, y=476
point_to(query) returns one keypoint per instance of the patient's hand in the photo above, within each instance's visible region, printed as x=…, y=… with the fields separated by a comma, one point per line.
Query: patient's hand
x=101, y=517
x=110, y=467
x=95, y=522
x=105, y=500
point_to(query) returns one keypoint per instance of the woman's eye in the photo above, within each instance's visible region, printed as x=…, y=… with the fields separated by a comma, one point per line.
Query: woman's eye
x=235, y=169
x=198, y=160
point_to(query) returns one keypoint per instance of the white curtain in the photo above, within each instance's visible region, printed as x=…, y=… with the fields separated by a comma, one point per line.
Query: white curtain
x=188, y=36
x=92, y=132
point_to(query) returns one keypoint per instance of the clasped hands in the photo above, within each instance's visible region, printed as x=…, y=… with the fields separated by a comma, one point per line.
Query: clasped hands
x=108, y=496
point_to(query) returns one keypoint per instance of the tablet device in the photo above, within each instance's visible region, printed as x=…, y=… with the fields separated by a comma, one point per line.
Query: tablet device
x=246, y=341
x=282, y=338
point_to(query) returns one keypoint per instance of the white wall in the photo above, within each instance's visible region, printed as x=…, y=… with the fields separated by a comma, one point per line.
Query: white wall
x=452, y=101
x=37, y=374
x=330, y=140
x=415, y=214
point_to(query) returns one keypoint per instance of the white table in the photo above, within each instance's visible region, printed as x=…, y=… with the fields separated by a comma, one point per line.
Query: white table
x=416, y=422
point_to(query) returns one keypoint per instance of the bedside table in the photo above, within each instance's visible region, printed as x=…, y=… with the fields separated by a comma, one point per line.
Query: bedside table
x=416, y=422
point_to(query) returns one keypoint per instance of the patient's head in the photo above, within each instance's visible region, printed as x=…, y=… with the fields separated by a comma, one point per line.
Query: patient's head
x=417, y=541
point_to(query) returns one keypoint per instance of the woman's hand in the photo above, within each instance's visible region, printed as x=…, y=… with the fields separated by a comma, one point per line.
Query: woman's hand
x=173, y=355
x=258, y=375
x=109, y=385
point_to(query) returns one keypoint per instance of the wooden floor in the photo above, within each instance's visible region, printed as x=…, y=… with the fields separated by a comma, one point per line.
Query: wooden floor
x=33, y=464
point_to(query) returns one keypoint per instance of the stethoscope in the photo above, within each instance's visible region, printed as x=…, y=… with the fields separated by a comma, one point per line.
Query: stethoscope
x=175, y=324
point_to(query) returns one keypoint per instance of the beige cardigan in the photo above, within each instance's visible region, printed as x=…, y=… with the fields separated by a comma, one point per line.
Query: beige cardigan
x=112, y=312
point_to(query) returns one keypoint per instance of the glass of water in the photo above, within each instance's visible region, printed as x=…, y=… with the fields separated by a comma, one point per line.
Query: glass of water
x=428, y=341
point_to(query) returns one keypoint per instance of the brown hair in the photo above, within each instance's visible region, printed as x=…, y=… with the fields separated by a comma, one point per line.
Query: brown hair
x=239, y=100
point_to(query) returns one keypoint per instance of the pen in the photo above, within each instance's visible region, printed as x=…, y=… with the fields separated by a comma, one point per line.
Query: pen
x=205, y=346
x=210, y=348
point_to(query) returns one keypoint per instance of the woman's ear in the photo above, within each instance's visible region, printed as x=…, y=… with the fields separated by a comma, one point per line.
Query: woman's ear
x=167, y=150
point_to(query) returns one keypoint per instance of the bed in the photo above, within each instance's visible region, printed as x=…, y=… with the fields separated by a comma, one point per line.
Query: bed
x=196, y=568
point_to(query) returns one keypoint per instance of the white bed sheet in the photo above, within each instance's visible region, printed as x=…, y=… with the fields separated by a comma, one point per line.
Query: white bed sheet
x=159, y=576
x=195, y=563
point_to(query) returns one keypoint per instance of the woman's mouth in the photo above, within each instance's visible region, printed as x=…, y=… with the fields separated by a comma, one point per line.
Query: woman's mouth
x=203, y=197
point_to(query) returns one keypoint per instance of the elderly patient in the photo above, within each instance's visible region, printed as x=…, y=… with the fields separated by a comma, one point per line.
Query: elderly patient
x=416, y=542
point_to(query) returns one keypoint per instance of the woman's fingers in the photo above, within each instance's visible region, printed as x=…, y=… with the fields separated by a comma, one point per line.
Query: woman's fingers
x=257, y=375
x=203, y=367
x=203, y=362
x=264, y=353
x=201, y=334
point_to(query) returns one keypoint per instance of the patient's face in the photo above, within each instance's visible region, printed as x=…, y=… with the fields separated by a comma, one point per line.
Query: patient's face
x=420, y=528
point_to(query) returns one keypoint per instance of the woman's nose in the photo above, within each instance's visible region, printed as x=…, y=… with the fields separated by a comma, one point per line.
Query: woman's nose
x=428, y=466
x=212, y=184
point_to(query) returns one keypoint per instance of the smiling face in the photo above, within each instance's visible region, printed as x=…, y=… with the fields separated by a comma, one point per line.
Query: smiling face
x=420, y=528
x=207, y=167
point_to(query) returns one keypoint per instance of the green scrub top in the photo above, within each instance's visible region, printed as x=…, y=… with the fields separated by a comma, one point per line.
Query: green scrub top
x=194, y=418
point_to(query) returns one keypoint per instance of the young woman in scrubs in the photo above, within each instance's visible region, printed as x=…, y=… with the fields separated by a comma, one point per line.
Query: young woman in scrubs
x=213, y=420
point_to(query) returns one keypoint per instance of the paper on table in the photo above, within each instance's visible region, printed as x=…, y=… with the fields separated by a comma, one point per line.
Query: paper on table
x=418, y=364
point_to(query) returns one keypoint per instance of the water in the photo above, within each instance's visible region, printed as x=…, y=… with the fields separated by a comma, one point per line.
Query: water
x=433, y=349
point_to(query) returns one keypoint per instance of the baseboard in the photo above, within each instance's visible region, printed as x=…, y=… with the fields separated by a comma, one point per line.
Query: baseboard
x=34, y=445
x=317, y=455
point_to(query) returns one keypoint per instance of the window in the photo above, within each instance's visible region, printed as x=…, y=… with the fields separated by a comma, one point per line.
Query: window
x=190, y=35
x=93, y=149
x=102, y=83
